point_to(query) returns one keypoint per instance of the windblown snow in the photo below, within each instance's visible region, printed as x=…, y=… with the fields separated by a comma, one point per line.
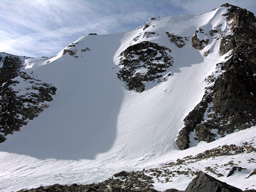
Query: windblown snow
x=95, y=127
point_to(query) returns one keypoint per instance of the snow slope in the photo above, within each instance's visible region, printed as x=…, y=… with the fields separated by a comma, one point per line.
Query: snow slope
x=94, y=127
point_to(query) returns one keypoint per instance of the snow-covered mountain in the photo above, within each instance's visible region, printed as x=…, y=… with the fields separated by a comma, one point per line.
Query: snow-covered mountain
x=131, y=101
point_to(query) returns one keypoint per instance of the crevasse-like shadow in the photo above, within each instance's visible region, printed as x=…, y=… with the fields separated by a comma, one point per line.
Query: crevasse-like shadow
x=81, y=121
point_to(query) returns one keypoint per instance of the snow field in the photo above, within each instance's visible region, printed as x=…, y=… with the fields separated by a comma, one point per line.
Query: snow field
x=94, y=127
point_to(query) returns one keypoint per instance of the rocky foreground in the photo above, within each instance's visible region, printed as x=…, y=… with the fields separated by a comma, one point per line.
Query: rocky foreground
x=201, y=183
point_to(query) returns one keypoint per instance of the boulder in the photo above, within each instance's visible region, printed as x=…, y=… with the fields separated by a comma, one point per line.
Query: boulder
x=204, y=182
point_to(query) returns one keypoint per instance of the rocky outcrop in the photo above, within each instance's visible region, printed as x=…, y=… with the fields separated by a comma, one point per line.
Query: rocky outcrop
x=234, y=169
x=240, y=17
x=73, y=51
x=199, y=43
x=204, y=182
x=144, y=62
x=194, y=118
x=177, y=40
x=22, y=97
x=20, y=104
x=131, y=182
x=167, y=173
x=10, y=66
x=252, y=173
x=227, y=44
x=149, y=34
x=229, y=103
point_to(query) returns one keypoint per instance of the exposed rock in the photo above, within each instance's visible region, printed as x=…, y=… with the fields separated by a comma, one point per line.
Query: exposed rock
x=121, y=174
x=233, y=169
x=148, y=34
x=251, y=149
x=194, y=118
x=212, y=170
x=173, y=170
x=204, y=182
x=146, y=26
x=182, y=140
x=86, y=49
x=201, y=183
x=240, y=17
x=144, y=62
x=18, y=107
x=252, y=173
x=229, y=103
x=73, y=51
x=66, y=188
x=10, y=68
x=199, y=43
x=227, y=43
x=133, y=182
x=177, y=40
x=206, y=53
x=143, y=180
x=203, y=133
x=70, y=52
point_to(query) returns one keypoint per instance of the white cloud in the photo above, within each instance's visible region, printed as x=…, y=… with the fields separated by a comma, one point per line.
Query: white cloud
x=26, y=23
x=202, y=6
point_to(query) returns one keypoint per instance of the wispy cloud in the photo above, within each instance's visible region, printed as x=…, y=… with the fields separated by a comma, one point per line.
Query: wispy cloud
x=33, y=27
x=44, y=27
x=202, y=6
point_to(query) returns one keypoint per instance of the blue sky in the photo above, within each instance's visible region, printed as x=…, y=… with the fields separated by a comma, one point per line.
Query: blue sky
x=44, y=27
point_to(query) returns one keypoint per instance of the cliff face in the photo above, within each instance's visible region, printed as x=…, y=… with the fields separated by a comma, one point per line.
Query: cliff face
x=17, y=107
x=229, y=102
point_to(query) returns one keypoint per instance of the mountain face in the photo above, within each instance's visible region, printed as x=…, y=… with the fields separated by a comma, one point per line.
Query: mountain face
x=229, y=101
x=130, y=100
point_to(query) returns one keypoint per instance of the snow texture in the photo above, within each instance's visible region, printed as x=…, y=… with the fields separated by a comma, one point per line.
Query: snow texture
x=94, y=127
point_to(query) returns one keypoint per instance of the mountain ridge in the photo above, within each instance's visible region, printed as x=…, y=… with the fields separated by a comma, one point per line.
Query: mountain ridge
x=121, y=98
